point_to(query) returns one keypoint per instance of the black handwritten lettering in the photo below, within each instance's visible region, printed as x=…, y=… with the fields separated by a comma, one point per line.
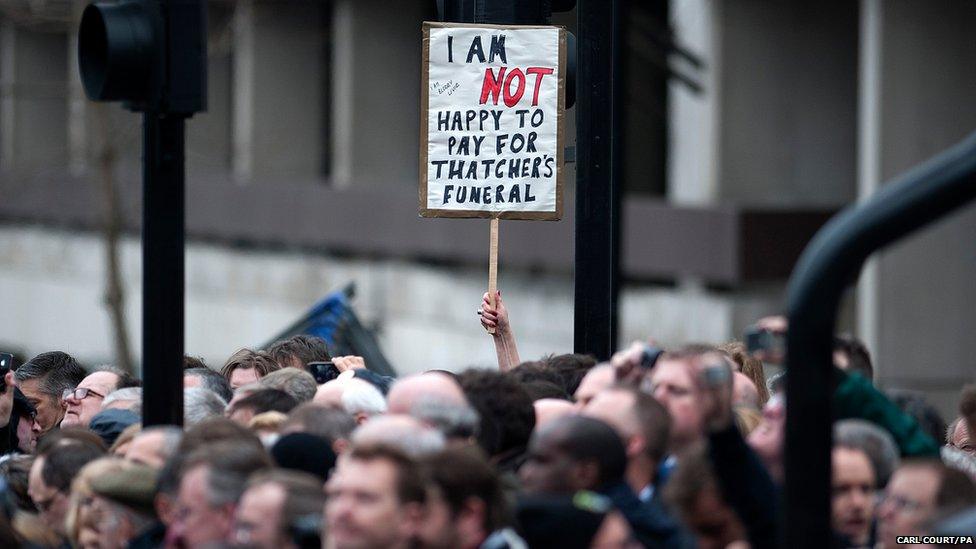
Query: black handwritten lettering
x=476, y=49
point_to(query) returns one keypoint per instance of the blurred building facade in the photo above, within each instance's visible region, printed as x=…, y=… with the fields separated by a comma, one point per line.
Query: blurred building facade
x=745, y=125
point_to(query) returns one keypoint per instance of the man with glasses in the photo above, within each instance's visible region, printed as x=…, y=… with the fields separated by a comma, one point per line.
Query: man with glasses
x=918, y=491
x=43, y=380
x=49, y=482
x=85, y=400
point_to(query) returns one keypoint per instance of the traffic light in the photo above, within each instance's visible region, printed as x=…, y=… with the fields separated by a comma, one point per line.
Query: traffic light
x=515, y=12
x=149, y=54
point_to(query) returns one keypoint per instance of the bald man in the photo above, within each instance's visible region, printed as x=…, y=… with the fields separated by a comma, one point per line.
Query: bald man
x=549, y=409
x=599, y=377
x=406, y=392
x=408, y=434
x=744, y=392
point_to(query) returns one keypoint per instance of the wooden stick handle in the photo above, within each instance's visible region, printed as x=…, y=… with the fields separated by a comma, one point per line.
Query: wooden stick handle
x=493, y=266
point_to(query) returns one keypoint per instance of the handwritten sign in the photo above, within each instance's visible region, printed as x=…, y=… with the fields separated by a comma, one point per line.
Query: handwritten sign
x=492, y=120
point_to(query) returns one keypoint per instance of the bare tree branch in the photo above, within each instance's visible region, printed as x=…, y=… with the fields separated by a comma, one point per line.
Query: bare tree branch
x=106, y=156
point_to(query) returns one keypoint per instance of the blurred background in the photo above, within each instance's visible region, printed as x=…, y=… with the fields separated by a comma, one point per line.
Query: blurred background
x=746, y=124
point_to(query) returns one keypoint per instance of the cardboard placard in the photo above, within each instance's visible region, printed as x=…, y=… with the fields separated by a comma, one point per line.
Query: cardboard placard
x=492, y=121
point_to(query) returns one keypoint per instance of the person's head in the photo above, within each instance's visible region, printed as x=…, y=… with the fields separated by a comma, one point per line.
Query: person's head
x=329, y=394
x=744, y=392
x=85, y=400
x=404, y=433
x=537, y=372
x=437, y=400
x=123, y=504
x=80, y=517
x=548, y=409
x=598, y=378
x=694, y=494
x=362, y=400
x=110, y=424
x=767, y=438
x=43, y=380
x=674, y=384
x=918, y=491
x=335, y=426
x=298, y=350
x=543, y=389
x=305, y=452
x=299, y=384
x=852, y=494
x=465, y=500
x=507, y=415
x=643, y=425
x=154, y=446
x=200, y=404
x=852, y=355
x=916, y=405
x=22, y=422
x=957, y=436
x=750, y=366
x=51, y=476
x=215, y=429
x=191, y=362
x=121, y=444
x=573, y=453
x=271, y=503
x=267, y=426
x=212, y=480
x=16, y=473
x=127, y=398
x=68, y=435
x=259, y=402
x=247, y=366
x=208, y=379
x=571, y=368
x=875, y=442
x=376, y=500
x=408, y=391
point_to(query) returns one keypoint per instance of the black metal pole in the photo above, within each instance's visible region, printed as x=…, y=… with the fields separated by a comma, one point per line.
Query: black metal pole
x=597, y=188
x=162, y=268
x=830, y=263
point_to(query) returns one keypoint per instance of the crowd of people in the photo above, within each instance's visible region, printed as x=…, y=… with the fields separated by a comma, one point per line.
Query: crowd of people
x=678, y=447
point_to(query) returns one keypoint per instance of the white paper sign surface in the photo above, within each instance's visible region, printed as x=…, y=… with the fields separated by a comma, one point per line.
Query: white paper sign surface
x=491, y=143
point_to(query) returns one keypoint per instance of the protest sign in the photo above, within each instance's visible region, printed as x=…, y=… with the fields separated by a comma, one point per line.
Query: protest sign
x=491, y=138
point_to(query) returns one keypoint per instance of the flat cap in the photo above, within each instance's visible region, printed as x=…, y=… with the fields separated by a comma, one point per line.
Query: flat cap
x=133, y=487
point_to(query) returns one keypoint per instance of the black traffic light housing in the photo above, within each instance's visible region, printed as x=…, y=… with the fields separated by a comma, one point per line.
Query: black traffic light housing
x=149, y=54
x=152, y=56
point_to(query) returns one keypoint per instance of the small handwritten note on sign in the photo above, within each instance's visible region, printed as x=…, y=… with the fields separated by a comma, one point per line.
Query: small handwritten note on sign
x=491, y=142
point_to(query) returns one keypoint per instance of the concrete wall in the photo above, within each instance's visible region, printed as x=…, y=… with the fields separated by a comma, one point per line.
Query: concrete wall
x=376, y=90
x=775, y=123
x=33, y=105
x=51, y=288
x=279, y=88
x=919, y=303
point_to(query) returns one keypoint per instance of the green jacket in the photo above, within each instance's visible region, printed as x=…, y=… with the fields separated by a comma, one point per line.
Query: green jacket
x=857, y=398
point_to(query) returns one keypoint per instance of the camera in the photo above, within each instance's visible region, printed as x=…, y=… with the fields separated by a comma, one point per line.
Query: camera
x=305, y=531
x=323, y=372
x=716, y=375
x=758, y=339
x=6, y=364
x=649, y=356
